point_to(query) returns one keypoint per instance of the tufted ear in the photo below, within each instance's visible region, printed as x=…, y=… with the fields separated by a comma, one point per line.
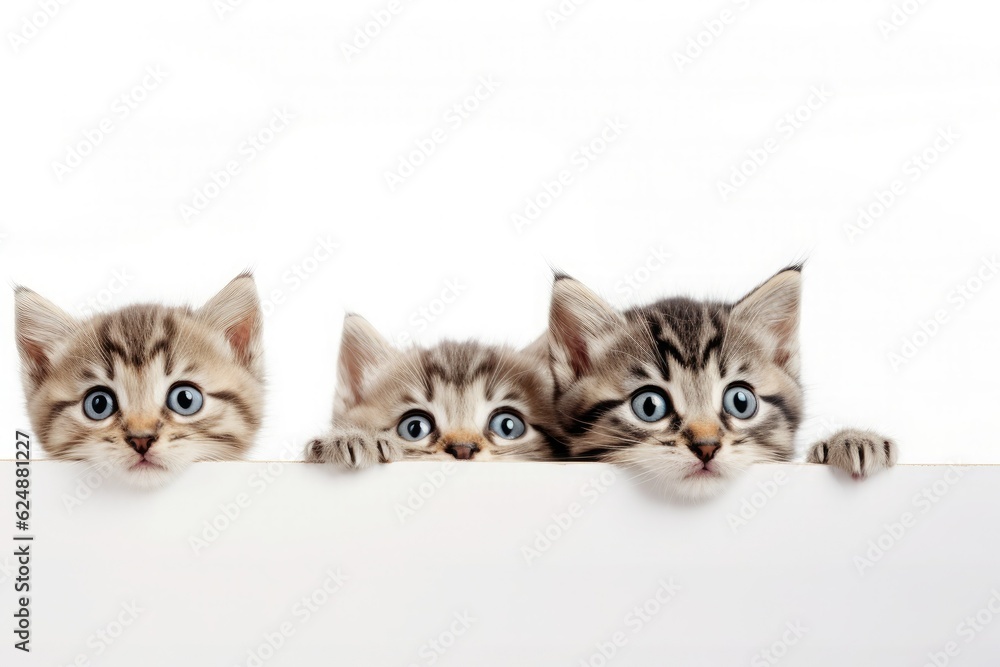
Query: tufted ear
x=773, y=308
x=236, y=311
x=40, y=326
x=577, y=319
x=362, y=349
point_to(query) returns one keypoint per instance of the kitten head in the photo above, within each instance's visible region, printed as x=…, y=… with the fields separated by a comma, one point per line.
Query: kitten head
x=463, y=400
x=689, y=392
x=147, y=389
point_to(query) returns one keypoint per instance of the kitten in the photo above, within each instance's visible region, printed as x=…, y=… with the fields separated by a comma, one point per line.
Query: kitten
x=147, y=389
x=690, y=392
x=455, y=400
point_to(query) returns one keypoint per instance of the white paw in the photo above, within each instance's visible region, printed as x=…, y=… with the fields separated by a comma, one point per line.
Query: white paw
x=859, y=452
x=352, y=448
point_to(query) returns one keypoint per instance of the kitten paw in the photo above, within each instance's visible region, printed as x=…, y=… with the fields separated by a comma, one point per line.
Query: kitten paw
x=859, y=452
x=351, y=448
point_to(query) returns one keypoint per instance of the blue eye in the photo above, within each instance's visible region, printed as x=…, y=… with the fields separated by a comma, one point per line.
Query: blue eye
x=507, y=425
x=740, y=401
x=185, y=400
x=650, y=405
x=99, y=404
x=415, y=427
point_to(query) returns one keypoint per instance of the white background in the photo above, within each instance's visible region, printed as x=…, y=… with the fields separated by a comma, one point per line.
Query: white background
x=874, y=574
x=654, y=188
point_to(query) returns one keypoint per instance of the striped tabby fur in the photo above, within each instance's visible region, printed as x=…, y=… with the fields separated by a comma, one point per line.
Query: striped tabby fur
x=690, y=352
x=459, y=387
x=139, y=354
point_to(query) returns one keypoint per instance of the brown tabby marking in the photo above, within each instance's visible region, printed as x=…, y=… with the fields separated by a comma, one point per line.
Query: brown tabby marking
x=138, y=355
x=690, y=354
x=460, y=387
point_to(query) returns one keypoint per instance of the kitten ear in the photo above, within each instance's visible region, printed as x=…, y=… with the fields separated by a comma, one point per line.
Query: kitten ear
x=538, y=348
x=576, y=319
x=235, y=311
x=40, y=326
x=773, y=308
x=362, y=348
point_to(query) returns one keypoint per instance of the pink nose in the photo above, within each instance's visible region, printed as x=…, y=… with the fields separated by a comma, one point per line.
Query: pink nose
x=705, y=453
x=140, y=443
x=462, y=451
